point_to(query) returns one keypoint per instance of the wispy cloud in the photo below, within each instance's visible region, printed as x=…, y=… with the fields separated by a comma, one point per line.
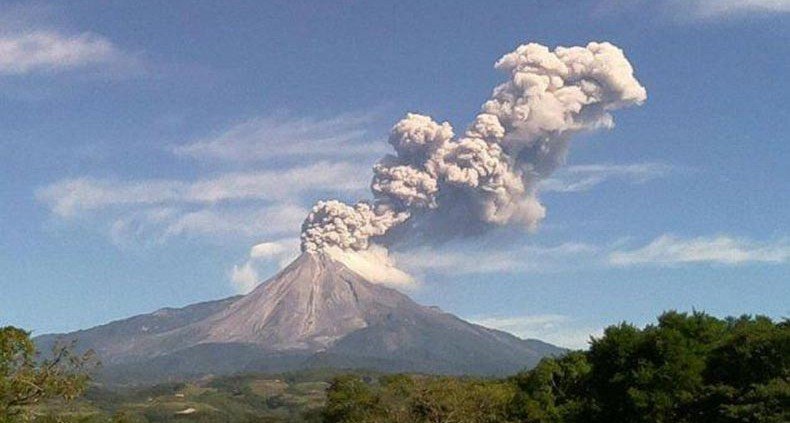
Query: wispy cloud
x=157, y=225
x=243, y=205
x=22, y=53
x=693, y=11
x=274, y=249
x=671, y=250
x=246, y=221
x=665, y=250
x=260, y=139
x=246, y=276
x=585, y=177
x=553, y=328
x=36, y=39
x=526, y=259
x=707, y=9
x=69, y=197
x=51, y=51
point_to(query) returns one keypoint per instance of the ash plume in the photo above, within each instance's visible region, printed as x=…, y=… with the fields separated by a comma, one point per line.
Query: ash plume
x=437, y=182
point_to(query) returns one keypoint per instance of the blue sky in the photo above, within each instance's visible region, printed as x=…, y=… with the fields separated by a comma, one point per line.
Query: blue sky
x=146, y=149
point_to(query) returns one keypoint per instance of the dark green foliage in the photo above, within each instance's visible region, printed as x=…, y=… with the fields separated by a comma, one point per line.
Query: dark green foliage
x=687, y=368
x=406, y=399
x=350, y=399
x=755, y=351
x=554, y=391
x=651, y=375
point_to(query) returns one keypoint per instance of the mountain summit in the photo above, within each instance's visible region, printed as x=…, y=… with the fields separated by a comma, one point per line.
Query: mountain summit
x=314, y=313
x=308, y=306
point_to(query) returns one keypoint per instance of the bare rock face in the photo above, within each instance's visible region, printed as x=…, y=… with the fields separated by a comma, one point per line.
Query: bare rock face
x=314, y=313
x=309, y=305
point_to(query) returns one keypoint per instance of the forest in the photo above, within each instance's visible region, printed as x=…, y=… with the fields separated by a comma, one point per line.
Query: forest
x=686, y=368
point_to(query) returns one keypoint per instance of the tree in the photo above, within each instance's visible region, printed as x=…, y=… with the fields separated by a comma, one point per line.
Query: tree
x=556, y=390
x=652, y=374
x=26, y=381
x=349, y=399
x=461, y=400
x=687, y=368
x=418, y=399
x=748, y=374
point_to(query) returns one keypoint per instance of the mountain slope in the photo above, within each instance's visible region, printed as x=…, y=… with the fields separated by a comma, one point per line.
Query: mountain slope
x=314, y=313
x=114, y=339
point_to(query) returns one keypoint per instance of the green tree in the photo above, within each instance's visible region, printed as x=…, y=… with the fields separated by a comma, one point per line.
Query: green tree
x=653, y=374
x=415, y=399
x=748, y=374
x=349, y=399
x=556, y=390
x=26, y=381
x=687, y=368
x=448, y=399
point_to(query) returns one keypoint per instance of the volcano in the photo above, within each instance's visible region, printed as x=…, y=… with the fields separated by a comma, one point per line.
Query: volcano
x=314, y=313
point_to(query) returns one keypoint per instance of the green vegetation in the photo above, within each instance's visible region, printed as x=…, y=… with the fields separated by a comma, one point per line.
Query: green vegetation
x=26, y=381
x=290, y=397
x=402, y=398
x=685, y=368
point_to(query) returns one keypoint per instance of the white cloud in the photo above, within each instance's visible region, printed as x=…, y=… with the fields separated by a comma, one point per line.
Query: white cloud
x=248, y=221
x=269, y=249
x=160, y=224
x=283, y=251
x=526, y=259
x=725, y=8
x=693, y=11
x=259, y=139
x=556, y=329
x=585, y=177
x=246, y=276
x=52, y=51
x=70, y=197
x=573, y=256
x=669, y=250
x=522, y=324
x=237, y=204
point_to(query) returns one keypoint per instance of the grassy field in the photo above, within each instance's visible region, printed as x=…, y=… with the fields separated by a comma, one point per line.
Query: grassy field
x=244, y=398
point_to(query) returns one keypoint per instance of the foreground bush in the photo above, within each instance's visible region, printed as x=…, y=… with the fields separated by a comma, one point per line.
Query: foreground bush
x=26, y=381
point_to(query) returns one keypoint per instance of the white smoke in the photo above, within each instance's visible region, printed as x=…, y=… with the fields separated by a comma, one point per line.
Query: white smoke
x=374, y=264
x=436, y=183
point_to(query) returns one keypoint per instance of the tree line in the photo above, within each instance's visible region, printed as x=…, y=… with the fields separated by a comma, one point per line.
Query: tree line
x=686, y=368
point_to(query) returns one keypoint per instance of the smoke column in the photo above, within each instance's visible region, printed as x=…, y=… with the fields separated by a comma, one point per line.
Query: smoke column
x=437, y=182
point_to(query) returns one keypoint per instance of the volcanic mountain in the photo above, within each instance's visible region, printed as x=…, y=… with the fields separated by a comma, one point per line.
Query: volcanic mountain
x=314, y=313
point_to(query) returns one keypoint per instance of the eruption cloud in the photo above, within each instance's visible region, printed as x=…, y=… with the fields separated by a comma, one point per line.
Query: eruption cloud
x=437, y=183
